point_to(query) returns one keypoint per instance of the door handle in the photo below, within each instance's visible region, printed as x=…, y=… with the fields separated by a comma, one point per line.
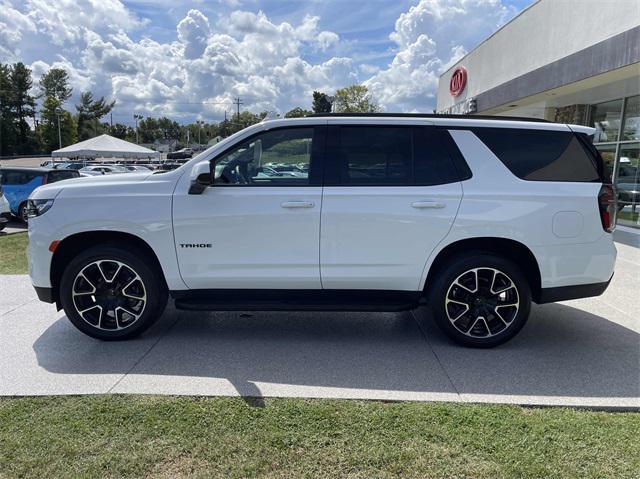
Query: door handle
x=298, y=204
x=428, y=204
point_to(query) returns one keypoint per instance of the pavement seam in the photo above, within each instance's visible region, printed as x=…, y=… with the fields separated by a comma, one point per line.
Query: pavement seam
x=162, y=335
x=17, y=307
x=426, y=338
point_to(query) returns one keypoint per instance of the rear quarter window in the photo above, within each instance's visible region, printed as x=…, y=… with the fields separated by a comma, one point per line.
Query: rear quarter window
x=542, y=155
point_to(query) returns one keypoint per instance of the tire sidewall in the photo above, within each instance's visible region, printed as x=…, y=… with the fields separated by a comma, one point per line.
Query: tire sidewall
x=21, y=213
x=458, y=266
x=156, y=296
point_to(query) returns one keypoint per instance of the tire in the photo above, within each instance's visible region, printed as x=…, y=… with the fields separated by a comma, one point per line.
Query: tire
x=129, y=288
x=22, y=213
x=480, y=299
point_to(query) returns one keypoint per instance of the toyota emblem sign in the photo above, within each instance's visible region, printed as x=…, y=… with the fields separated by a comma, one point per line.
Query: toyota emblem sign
x=458, y=81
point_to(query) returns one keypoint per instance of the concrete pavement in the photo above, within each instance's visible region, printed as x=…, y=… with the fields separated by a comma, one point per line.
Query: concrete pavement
x=576, y=353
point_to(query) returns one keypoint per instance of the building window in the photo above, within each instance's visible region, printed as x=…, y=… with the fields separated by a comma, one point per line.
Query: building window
x=605, y=118
x=617, y=136
x=631, y=123
x=628, y=184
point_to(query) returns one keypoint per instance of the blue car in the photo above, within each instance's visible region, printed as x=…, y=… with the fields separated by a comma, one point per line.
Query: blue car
x=18, y=183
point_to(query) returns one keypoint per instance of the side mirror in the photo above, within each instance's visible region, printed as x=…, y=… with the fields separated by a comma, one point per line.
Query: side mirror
x=201, y=178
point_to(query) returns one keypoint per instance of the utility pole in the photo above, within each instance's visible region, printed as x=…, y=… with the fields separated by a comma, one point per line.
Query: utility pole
x=238, y=103
x=200, y=122
x=136, y=117
x=111, y=120
x=224, y=130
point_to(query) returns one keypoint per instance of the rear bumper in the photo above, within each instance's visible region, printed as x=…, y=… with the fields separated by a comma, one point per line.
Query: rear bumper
x=565, y=293
x=45, y=294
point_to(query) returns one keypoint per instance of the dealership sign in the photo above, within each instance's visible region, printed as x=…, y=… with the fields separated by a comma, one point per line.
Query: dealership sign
x=458, y=81
x=463, y=107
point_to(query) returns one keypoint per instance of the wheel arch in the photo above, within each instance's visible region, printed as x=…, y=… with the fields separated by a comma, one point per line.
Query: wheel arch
x=69, y=247
x=511, y=249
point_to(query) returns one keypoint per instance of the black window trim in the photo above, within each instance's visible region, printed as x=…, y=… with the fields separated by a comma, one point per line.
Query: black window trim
x=316, y=163
x=332, y=176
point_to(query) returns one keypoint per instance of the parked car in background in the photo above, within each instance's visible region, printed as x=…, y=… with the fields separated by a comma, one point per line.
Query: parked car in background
x=73, y=165
x=184, y=153
x=19, y=183
x=474, y=217
x=628, y=185
x=5, y=211
x=97, y=170
x=136, y=168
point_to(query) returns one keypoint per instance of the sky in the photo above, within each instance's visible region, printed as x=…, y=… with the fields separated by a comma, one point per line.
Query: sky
x=189, y=60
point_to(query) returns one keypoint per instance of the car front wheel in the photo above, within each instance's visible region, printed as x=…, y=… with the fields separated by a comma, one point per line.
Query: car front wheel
x=110, y=293
x=480, y=300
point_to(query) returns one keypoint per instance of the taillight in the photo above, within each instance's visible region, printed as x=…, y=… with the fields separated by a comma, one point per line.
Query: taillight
x=608, y=208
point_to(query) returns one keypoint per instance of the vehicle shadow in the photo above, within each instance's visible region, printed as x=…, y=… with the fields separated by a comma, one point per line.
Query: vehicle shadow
x=562, y=351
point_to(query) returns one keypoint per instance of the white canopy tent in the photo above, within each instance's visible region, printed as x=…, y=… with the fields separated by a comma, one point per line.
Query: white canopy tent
x=105, y=146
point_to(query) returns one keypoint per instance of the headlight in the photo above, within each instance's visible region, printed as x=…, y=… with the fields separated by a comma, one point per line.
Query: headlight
x=38, y=207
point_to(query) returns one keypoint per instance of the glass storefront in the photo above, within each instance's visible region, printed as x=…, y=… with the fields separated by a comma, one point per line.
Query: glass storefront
x=617, y=138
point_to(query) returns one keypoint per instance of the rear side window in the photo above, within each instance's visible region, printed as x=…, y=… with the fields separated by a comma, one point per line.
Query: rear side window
x=375, y=155
x=437, y=159
x=19, y=177
x=389, y=156
x=541, y=155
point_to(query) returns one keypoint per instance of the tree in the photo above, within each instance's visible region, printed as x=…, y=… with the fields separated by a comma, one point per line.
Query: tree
x=23, y=106
x=355, y=99
x=55, y=84
x=297, y=112
x=152, y=129
x=89, y=113
x=321, y=103
x=123, y=132
x=8, y=132
x=52, y=113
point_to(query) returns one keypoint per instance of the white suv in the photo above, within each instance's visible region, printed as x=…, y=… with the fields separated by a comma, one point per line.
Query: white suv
x=475, y=217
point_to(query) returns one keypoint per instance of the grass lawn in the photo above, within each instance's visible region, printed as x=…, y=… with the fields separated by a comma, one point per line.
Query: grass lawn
x=141, y=436
x=13, y=254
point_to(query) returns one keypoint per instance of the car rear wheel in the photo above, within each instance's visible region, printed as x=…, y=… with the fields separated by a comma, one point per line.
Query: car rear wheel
x=480, y=300
x=110, y=293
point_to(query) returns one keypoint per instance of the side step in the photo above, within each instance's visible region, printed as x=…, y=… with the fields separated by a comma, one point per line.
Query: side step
x=295, y=300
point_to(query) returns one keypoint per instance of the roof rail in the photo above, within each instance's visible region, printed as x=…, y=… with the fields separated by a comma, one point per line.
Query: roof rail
x=431, y=115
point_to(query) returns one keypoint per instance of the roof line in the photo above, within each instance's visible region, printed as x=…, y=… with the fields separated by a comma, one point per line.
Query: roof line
x=429, y=115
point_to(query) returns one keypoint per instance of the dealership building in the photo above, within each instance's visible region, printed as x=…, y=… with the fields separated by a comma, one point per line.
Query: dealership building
x=568, y=61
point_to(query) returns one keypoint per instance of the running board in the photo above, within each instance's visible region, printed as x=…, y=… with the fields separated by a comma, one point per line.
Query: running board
x=296, y=300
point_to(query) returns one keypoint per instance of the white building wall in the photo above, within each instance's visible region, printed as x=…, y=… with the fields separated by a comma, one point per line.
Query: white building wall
x=545, y=32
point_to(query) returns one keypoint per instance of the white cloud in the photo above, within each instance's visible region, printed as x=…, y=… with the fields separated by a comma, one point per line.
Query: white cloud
x=193, y=32
x=13, y=25
x=431, y=37
x=65, y=21
x=215, y=59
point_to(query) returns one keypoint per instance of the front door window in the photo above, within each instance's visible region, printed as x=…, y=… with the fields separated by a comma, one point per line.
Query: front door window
x=274, y=158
